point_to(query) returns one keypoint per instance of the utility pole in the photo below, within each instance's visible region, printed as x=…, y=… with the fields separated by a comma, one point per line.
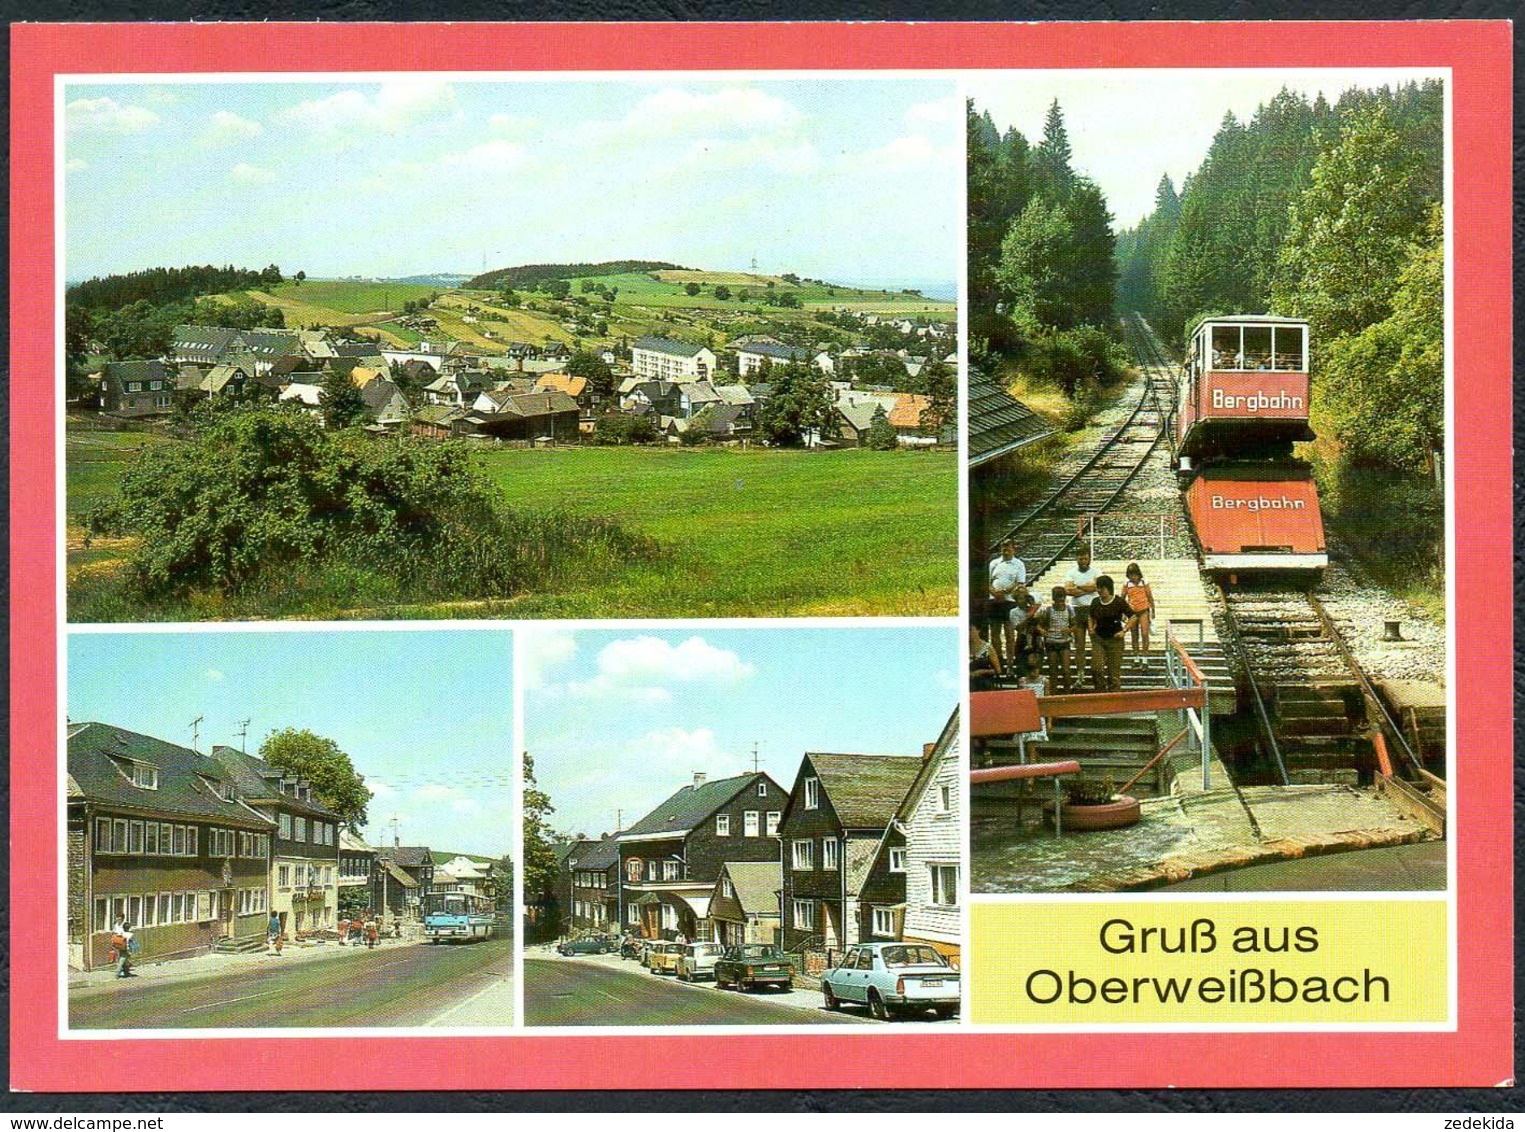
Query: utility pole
x=243, y=735
x=196, y=733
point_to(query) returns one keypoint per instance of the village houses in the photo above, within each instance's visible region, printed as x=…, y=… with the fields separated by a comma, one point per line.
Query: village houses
x=669, y=360
x=592, y=872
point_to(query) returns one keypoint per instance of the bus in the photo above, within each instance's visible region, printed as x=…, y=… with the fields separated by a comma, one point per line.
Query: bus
x=452, y=916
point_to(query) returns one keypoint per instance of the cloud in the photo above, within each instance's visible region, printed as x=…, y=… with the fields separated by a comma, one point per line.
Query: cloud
x=942, y=115
x=107, y=116
x=904, y=154
x=352, y=117
x=512, y=125
x=76, y=165
x=543, y=651
x=226, y=127
x=250, y=176
x=214, y=675
x=378, y=788
x=465, y=806
x=433, y=792
x=490, y=157
x=639, y=668
x=674, y=113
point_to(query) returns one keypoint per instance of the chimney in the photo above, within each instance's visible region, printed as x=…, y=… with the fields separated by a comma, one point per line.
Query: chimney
x=699, y=778
x=926, y=751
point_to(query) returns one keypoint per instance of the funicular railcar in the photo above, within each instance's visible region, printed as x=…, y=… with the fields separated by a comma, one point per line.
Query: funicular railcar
x=1243, y=403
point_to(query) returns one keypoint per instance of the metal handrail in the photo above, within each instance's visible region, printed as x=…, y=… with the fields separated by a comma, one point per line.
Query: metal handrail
x=1089, y=520
x=1184, y=672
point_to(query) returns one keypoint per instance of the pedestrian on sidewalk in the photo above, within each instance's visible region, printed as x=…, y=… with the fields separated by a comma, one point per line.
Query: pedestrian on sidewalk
x=343, y=931
x=121, y=942
x=1080, y=585
x=1109, y=614
x=1054, y=625
x=371, y=933
x=1140, y=599
x=274, y=934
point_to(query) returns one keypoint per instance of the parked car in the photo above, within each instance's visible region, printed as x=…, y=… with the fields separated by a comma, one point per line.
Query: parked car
x=893, y=979
x=588, y=945
x=664, y=958
x=697, y=961
x=752, y=965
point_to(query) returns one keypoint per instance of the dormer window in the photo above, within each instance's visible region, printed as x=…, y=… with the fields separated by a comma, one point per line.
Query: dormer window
x=144, y=776
x=812, y=793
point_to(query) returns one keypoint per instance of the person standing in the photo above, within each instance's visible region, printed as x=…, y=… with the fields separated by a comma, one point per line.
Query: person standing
x=1054, y=624
x=1026, y=660
x=121, y=941
x=1140, y=599
x=983, y=670
x=371, y=932
x=1109, y=613
x=1008, y=579
x=1080, y=585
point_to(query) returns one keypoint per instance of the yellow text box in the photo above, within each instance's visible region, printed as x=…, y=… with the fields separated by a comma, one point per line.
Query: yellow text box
x=1282, y=962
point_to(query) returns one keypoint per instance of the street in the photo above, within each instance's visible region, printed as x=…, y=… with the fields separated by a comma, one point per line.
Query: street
x=604, y=991
x=411, y=985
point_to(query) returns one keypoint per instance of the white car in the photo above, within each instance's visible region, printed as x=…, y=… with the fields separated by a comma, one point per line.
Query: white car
x=893, y=979
x=698, y=961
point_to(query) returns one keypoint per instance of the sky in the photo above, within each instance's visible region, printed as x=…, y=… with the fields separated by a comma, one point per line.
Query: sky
x=1129, y=127
x=426, y=716
x=846, y=180
x=618, y=721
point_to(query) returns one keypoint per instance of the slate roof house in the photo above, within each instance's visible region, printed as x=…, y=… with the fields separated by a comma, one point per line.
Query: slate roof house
x=670, y=360
x=755, y=356
x=744, y=904
x=999, y=424
x=671, y=858
x=404, y=876
x=527, y=416
x=158, y=835
x=137, y=389
x=593, y=873
x=304, y=864
x=838, y=811
x=911, y=890
x=210, y=345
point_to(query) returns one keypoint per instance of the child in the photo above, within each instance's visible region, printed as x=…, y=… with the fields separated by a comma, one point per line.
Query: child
x=1054, y=625
x=1140, y=599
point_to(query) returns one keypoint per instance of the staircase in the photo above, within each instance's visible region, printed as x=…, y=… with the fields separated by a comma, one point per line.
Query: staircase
x=244, y=945
x=1109, y=746
x=1318, y=740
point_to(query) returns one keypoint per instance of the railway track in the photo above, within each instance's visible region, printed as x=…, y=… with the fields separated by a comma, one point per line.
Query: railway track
x=1047, y=530
x=1315, y=708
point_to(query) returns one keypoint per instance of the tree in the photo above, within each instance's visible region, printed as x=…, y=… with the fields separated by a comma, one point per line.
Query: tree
x=541, y=868
x=509, y=298
x=880, y=435
x=300, y=277
x=1052, y=157
x=335, y=781
x=691, y=289
x=591, y=366
x=722, y=292
x=340, y=401
x=800, y=407
x=939, y=383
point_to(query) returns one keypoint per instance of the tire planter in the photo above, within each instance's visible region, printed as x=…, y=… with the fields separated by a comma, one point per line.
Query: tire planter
x=1119, y=813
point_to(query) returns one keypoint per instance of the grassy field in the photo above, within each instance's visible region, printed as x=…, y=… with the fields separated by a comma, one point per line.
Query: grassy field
x=742, y=533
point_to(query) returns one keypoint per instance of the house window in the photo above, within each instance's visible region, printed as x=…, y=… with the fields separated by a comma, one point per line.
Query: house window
x=283, y=876
x=119, y=835
x=669, y=870
x=752, y=826
x=884, y=923
x=135, y=837
x=804, y=855
x=945, y=885
x=165, y=832
x=722, y=825
x=829, y=849
x=145, y=776
x=103, y=835
x=669, y=918
x=773, y=819
x=150, y=910
x=944, y=799
x=179, y=842
x=812, y=793
x=166, y=903
x=285, y=827
x=804, y=915
x=725, y=888
x=328, y=834
x=897, y=858
x=190, y=841
x=299, y=828
x=762, y=789
x=151, y=837
x=632, y=914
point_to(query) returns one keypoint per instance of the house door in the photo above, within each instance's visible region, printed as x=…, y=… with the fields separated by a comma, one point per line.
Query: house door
x=227, y=913
x=830, y=930
x=651, y=921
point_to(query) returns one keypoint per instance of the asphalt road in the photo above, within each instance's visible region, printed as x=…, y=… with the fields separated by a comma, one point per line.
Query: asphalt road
x=575, y=992
x=407, y=986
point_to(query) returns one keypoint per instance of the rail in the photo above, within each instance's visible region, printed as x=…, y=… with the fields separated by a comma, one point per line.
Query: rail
x=1028, y=771
x=1183, y=672
x=1374, y=705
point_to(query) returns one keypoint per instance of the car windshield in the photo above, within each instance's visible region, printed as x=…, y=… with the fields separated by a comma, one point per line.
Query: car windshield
x=903, y=956
x=755, y=952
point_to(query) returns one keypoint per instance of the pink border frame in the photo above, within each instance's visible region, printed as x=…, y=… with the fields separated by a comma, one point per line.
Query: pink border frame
x=1479, y=1052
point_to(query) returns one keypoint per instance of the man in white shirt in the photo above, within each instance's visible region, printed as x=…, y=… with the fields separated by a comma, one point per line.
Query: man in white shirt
x=1080, y=585
x=1008, y=580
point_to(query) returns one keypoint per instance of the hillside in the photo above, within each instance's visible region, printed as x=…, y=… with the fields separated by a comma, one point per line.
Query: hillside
x=529, y=273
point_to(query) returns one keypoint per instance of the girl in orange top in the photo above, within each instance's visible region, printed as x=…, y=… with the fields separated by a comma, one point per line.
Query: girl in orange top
x=1140, y=599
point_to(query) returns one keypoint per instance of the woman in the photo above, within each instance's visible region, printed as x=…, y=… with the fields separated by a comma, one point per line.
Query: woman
x=1140, y=599
x=983, y=669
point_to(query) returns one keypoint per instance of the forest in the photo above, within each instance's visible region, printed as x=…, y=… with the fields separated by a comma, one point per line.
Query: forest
x=1329, y=212
x=1042, y=270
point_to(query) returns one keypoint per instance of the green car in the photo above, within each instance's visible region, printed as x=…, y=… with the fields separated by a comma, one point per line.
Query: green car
x=753, y=965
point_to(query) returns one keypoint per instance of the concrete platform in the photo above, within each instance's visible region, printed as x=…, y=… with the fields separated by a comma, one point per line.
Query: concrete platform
x=1181, y=600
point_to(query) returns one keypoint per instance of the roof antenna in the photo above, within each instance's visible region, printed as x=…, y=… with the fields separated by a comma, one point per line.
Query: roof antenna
x=755, y=760
x=243, y=735
x=196, y=733
x=396, y=838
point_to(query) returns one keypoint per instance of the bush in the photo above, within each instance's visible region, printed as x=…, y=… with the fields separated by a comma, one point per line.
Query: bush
x=265, y=499
x=624, y=428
